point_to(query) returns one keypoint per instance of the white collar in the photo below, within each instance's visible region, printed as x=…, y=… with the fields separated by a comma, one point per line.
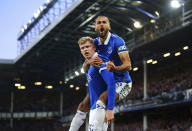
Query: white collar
x=107, y=40
x=94, y=55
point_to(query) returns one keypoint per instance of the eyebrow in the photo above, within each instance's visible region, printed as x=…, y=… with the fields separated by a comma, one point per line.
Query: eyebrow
x=102, y=21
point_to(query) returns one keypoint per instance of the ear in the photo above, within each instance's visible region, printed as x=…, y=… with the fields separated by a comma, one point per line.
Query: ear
x=94, y=47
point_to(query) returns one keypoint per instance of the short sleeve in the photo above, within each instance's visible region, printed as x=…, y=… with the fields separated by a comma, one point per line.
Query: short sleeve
x=120, y=45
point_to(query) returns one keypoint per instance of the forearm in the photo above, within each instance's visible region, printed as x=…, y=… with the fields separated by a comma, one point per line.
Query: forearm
x=111, y=93
x=85, y=66
x=124, y=67
x=126, y=63
x=111, y=96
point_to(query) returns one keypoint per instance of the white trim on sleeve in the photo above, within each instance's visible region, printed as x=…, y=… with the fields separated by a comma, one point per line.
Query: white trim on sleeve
x=122, y=52
x=103, y=68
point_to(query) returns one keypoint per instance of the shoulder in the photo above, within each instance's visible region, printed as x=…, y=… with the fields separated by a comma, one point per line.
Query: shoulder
x=118, y=40
x=116, y=37
x=96, y=40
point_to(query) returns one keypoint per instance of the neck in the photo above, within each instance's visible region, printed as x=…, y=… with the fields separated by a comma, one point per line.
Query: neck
x=94, y=54
x=102, y=39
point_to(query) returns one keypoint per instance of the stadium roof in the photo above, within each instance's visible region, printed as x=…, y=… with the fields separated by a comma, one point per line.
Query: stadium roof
x=54, y=54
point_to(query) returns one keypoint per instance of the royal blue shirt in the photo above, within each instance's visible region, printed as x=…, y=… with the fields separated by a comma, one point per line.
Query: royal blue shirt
x=100, y=80
x=111, y=48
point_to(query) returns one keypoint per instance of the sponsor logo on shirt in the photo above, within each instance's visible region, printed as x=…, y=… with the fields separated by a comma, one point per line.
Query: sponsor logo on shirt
x=122, y=48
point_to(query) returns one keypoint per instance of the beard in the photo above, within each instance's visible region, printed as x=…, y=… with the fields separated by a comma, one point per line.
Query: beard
x=102, y=34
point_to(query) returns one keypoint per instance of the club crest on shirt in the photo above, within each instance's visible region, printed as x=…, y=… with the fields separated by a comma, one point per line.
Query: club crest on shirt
x=109, y=50
x=88, y=78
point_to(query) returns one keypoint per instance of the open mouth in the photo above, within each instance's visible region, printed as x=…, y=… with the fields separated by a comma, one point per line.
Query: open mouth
x=86, y=53
x=101, y=29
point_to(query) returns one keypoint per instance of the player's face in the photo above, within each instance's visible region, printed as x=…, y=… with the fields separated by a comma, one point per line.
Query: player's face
x=87, y=49
x=102, y=26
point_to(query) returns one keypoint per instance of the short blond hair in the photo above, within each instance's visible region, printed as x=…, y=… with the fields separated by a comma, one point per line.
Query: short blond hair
x=83, y=40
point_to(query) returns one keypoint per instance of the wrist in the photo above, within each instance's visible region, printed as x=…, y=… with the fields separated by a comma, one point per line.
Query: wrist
x=115, y=69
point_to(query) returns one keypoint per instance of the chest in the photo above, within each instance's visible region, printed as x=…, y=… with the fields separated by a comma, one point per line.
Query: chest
x=106, y=50
x=92, y=74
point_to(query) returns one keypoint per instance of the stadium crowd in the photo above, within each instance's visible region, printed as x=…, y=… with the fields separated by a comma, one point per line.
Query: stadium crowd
x=162, y=80
x=27, y=125
x=173, y=120
x=158, y=83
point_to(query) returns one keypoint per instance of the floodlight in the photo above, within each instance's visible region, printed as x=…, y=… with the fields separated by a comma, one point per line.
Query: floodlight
x=71, y=86
x=76, y=73
x=77, y=88
x=185, y=47
x=82, y=70
x=177, y=53
x=166, y=54
x=154, y=62
x=135, y=68
x=38, y=83
x=49, y=87
x=137, y=25
x=149, y=61
x=175, y=4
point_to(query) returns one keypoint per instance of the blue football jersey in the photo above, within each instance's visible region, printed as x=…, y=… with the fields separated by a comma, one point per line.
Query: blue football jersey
x=112, y=46
x=99, y=80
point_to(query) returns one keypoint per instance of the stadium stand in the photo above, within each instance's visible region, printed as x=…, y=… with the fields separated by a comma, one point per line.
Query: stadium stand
x=176, y=119
x=28, y=125
x=51, y=56
x=162, y=80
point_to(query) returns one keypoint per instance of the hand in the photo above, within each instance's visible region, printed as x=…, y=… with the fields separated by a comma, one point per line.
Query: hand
x=96, y=61
x=109, y=116
x=110, y=66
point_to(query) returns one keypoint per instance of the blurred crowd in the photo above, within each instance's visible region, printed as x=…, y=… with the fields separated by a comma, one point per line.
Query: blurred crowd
x=27, y=125
x=39, y=101
x=173, y=120
x=167, y=79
